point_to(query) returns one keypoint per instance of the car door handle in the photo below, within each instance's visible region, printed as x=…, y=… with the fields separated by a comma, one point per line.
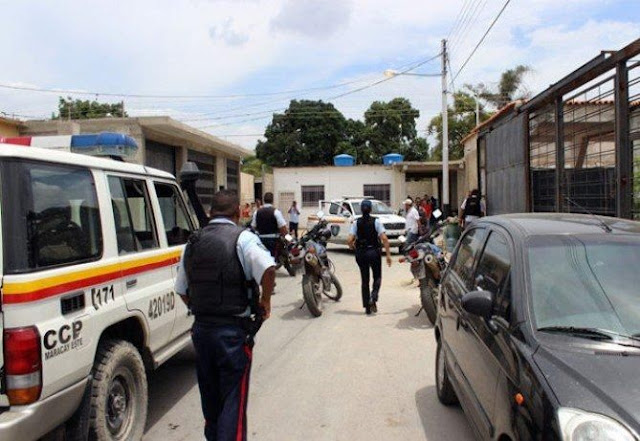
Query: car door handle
x=132, y=283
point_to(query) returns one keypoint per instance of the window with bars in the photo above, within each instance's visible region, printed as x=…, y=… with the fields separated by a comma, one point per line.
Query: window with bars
x=381, y=192
x=542, y=159
x=312, y=194
x=233, y=170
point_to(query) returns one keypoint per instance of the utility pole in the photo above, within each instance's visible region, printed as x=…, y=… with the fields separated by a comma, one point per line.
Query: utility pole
x=445, y=134
x=477, y=110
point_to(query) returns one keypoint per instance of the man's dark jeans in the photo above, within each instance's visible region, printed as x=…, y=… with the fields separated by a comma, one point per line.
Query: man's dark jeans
x=369, y=259
x=223, y=366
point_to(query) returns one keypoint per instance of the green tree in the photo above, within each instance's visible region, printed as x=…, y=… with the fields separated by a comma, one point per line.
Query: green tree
x=68, y=108
x=391, y=128
x=307, y=133
x=254, y=166
x=461, y=119
x=510, y=88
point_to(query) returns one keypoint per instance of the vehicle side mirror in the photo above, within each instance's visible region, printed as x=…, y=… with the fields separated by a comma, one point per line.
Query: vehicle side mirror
x=479, y=303
x=346, y=214
x=335, y=230
x=320, y=214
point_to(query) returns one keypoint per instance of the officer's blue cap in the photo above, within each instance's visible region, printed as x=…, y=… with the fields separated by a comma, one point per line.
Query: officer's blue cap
x=366, y=203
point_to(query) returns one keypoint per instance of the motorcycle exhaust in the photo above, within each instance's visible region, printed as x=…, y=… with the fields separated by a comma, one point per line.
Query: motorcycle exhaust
x=430, y=262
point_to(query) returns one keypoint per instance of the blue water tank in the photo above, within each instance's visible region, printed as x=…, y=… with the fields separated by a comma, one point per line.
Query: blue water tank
x=392, y=158
x=343, y=160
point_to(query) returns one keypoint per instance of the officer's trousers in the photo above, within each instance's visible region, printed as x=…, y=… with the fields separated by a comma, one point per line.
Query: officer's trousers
x=369, y=260
x=223, y=367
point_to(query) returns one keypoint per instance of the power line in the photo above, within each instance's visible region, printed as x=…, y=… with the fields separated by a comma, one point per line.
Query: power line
x=182, y=97
x=469, y=25
x=481, y=40
x=457, y=20
x=464, y=19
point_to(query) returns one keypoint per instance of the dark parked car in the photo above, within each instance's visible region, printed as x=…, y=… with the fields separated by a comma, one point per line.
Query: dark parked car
x=538, y=328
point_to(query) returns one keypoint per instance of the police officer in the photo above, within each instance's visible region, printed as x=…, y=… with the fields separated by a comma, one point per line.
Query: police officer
x=366, y=237
x=218, y=279
x=269, y=222
x=472, y=208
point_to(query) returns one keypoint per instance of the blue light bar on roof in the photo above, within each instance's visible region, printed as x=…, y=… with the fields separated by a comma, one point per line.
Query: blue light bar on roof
x=104, y=144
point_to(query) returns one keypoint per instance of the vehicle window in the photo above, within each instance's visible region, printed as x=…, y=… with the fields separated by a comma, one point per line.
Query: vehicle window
x=132, y=215
x=493, y=273
x=466, y=254
x=585, y=282
x=51, y=216
x=377, y=207
x=174, y=215
x=334, y=209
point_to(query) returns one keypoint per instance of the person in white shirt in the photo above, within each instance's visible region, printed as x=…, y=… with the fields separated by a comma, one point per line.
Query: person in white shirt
x=294, y=219
x=412, y=221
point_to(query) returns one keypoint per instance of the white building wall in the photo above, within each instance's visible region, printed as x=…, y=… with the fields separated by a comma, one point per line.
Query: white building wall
x=337, y=182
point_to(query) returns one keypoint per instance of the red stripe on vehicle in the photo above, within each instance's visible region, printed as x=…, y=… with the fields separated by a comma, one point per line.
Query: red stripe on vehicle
x=44, y=293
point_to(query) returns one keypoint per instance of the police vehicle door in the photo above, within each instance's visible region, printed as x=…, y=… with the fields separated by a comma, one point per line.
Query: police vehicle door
x=145, y=263
x=175, y=226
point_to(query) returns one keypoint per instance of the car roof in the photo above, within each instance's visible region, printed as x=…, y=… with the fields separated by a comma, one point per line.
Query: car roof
x=61, y=157
x=534, y=224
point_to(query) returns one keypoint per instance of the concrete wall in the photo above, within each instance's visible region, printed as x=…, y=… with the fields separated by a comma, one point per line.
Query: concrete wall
x=337, y=182
x=420, y=188
x=8, y=129
x=246, y=188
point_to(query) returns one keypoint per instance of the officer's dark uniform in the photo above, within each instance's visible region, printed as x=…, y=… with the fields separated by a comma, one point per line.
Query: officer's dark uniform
x=267, y=225
x=218, y=290
x=369, y=257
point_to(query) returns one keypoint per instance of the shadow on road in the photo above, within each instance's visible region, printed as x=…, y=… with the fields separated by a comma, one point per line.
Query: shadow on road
x=172, y=381
x=410, y=321
x=295, y=312
x=441, y=423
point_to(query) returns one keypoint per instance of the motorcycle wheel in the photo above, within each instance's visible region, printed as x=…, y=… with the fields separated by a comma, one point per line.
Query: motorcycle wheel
x=427, y=298
x=336, y=289
x=311, y=292
x=290, y=268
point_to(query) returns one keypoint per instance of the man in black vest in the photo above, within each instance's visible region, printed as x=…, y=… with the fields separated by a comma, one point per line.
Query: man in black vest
x=366, y=237
x=218, y=279
x=472, y=208
x=269, y=222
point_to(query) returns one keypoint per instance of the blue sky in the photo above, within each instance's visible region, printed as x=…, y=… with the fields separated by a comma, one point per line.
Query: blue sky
x=240, y=47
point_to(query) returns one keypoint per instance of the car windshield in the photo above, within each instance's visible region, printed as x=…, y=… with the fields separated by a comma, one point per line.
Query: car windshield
x=377, y=207
x=586, y=282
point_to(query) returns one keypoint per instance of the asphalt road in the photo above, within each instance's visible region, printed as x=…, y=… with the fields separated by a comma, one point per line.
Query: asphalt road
x=342, y=376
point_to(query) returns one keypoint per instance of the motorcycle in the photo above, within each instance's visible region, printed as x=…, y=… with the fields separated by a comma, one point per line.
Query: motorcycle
x=427, y=266
x=318, y=277
x=283, y=256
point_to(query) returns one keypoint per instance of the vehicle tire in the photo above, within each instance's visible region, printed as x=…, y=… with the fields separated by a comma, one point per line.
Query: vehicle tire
x=446, y=394
x=427, y=298
x=290, y=268
x=337, y=294
x=118, y=393
x=312, y=298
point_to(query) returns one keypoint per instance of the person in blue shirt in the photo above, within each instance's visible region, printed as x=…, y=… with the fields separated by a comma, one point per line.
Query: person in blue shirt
x=222, y=271
x=367, y=236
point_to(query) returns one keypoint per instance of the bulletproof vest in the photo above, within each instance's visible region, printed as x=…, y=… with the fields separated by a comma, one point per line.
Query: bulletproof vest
x=367, y=234
x=217, y=283
x=472, y=207
x=266, y=221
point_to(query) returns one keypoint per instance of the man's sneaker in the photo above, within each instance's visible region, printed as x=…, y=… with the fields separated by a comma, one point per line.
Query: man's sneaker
x=374, y=307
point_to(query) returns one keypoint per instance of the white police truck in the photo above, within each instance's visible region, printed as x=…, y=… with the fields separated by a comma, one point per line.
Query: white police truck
x=90, y=248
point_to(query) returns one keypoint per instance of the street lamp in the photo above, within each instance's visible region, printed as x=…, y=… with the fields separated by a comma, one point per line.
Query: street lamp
x=445, y=123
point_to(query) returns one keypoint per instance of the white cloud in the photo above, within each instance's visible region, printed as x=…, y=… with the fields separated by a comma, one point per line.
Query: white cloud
x=313, y=18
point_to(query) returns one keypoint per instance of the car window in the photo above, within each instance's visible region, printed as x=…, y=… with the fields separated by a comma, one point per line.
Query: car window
x=51, y=216
x=585, y=281
x=463, y=263
x=334, y=208
x=174, y=215
x=493, y=273
x=132, y=215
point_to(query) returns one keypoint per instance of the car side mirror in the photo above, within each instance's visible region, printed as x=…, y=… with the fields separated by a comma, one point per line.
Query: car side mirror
x=479, y=303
